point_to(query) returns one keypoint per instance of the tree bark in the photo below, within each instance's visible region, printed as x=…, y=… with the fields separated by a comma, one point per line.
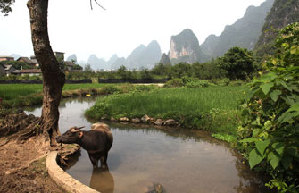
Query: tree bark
x=53, y=76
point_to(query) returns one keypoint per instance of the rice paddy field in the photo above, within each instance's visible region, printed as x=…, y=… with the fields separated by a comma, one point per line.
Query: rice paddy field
x=216, y=109
x=16, y=95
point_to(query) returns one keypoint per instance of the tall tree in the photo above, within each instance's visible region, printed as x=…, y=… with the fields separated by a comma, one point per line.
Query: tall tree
x=53, y=77
x=237, y=62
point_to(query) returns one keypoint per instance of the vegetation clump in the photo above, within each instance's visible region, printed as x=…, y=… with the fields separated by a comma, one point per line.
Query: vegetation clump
x=213, y=108
x=269, y=136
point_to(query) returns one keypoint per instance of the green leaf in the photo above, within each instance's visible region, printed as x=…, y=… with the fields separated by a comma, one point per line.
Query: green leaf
x=266, y=87
x=254, y=158
x=275, y=94
x=294, y=108
x=285, y=44
x=262, y=145
x=286, y=161
x=268, y=77
x=267, y=125
x=274, y=61
x=248, y=140
x=294, y=50
x=279, y=147
x=274, y=160
x=287, y=117
x=256, y=132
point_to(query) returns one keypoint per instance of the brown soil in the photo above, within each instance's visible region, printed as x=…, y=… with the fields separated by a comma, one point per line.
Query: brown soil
x=23, y=167
x=22, y=163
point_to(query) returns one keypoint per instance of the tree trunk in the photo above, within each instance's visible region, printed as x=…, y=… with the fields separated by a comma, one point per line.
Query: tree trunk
x=53, y=77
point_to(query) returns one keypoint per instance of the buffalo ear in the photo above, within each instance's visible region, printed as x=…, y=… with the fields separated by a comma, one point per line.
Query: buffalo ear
x=80, y=134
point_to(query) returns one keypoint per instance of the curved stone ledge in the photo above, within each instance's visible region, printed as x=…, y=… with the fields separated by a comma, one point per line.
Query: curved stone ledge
x=63, y=179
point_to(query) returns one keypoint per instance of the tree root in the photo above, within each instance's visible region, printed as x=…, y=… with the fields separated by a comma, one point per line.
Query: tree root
x=32, y=130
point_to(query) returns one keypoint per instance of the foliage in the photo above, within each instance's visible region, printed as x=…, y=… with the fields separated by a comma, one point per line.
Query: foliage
x=237, y=62
x=145, y=74
x=87, y=68
x=197, y=83
x=19, y=65
x=5, y=6
x=283, y=12
x=174, y=83
x=270, y=134
x=77, y=67
x=207, y=71
x=124, y=73
x=162, y=69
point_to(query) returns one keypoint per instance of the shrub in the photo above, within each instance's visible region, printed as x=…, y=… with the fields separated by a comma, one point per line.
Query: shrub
x=269, y=136
x=174, y=83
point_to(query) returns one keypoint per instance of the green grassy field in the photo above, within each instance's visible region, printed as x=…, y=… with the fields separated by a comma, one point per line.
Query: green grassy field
x=15, y=95
x=213, y=108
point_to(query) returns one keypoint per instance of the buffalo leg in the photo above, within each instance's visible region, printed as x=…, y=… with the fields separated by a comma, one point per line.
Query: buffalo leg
x=93, y=160
x=103, y=161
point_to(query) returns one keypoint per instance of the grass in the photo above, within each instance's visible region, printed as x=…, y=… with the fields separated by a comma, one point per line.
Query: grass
x=16, y=95
x=213, y=108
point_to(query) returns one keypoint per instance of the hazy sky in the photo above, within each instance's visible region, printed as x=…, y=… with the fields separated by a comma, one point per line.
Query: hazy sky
x=76, y=29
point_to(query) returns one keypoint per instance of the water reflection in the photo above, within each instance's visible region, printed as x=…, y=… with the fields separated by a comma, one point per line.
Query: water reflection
x=181, y=160
x=71, y=112
x=102, y=180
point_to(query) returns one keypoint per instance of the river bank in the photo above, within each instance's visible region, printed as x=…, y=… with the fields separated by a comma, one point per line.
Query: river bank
x=215, y=109
x=23, y=162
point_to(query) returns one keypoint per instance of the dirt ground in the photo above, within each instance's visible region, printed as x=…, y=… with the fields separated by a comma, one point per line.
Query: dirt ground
x=23, y=167
x=23, y=163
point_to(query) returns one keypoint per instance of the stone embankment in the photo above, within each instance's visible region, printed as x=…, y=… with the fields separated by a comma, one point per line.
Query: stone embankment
x=148, y=120
x=62, y=178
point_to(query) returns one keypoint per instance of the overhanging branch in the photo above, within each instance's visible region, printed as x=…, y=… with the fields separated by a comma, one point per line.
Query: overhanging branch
x=90, y=1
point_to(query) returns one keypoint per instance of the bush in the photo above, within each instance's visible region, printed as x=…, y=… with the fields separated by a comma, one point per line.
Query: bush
x=174, y=83
x=269, y=136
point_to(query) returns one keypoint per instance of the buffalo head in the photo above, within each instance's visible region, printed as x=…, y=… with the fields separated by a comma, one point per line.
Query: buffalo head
x=70, y=136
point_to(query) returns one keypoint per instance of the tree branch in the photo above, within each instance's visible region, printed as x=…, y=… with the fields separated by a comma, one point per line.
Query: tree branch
x=90, y=1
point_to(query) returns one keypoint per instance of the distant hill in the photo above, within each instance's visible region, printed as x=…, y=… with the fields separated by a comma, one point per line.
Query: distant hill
x=245, y=32
x=282, y=13
x=96, y=63
x=115, y=62
x=184, y=47
x=144, y=56
x=72, y=57
x=165, y=59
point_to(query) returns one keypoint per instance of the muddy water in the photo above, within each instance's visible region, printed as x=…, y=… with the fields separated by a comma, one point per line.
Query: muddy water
x=182, y=161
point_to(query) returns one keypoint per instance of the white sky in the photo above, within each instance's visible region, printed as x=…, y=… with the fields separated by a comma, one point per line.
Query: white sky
x=76, y=29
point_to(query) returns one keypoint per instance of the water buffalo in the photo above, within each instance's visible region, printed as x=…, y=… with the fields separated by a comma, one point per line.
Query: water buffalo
x=97, y=142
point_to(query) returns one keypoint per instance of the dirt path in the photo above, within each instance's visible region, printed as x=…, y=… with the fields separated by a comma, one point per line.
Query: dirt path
x=22, y=164
x=23, y=167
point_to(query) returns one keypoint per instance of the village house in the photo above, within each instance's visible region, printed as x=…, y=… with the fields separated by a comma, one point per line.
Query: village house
x=6, y=58
x=33, y=59
x=59, y=56
x=28, y=61
x=9, y=69
x=30, y=72
x=68, y=65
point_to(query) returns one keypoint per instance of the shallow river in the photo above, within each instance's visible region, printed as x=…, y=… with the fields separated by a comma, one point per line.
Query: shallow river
x=183, y=161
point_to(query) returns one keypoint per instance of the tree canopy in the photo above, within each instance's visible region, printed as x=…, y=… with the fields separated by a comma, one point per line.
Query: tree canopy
x=237, y=62
x=5, y=6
